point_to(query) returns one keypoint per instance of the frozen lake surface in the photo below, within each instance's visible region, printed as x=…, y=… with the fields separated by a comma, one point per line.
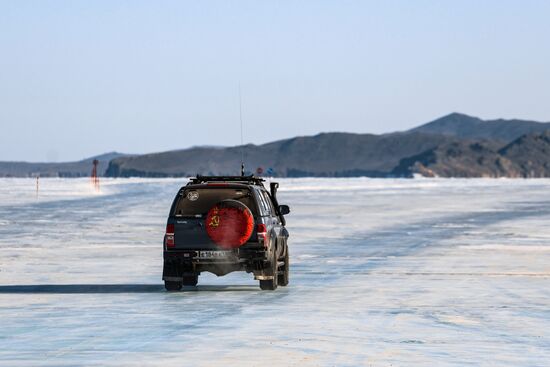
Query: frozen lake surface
x=384, y=272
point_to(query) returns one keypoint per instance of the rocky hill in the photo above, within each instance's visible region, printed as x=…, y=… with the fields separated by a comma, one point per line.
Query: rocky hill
x=531, y=154
x=527, y=156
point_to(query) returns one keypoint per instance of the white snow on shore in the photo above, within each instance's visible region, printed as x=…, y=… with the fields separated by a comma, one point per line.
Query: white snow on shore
x=428, y=272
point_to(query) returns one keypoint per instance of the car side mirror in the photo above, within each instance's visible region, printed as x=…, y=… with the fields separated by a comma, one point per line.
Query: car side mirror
x=284, y=209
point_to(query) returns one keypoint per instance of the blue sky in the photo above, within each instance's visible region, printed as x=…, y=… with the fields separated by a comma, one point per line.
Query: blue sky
x=81, y=78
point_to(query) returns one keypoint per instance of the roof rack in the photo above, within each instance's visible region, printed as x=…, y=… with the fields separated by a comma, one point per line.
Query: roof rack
x=248, y=179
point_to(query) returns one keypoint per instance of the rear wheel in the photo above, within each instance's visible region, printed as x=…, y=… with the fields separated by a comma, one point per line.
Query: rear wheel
x=282, y=277
x=270, y=284
x=172, y=286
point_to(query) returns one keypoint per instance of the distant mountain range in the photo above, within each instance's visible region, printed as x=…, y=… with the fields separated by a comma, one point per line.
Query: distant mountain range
x=455, y=145
x=81, y=168
x=468, y=127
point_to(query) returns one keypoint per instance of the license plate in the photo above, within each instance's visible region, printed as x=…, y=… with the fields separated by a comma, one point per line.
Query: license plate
x=215, y=254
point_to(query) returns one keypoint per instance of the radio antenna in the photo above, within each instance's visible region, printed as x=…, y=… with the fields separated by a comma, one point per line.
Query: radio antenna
x=241, y=119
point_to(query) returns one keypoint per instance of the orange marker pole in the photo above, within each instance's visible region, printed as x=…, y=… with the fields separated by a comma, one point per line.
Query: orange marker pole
x=95, y=178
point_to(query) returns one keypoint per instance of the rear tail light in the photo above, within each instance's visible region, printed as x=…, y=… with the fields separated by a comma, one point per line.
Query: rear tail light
x=169, y=237
x=261, y=231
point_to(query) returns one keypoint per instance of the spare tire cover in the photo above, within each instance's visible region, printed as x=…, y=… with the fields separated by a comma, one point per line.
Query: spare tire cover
x=229, y=224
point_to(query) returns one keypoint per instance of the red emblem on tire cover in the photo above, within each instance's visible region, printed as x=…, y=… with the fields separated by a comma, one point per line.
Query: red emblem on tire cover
x=229, y=224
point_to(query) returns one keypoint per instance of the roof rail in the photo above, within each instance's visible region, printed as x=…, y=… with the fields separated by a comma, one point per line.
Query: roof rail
x=248, y=179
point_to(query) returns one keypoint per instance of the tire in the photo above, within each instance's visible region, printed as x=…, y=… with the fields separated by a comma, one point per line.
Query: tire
x=282, y=277
x=172, y=286
x=229, y=224
x=271, y=284
x=190, y=280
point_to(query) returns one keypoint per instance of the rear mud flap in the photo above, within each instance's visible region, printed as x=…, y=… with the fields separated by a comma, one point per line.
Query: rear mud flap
x=175, y=270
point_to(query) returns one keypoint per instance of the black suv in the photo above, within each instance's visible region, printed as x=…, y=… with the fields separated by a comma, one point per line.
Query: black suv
x=222, y=224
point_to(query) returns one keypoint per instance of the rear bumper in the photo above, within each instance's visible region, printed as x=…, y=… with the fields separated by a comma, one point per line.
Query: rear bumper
x=182, y=262
x=240, y=255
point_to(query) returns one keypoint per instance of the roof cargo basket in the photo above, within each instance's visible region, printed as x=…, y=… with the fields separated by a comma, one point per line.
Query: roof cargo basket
x=246, y=179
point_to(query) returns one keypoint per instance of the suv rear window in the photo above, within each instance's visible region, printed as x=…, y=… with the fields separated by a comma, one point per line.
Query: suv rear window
x=197, y=202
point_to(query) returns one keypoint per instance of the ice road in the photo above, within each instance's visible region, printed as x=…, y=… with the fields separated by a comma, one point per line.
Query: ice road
x=427, y=272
